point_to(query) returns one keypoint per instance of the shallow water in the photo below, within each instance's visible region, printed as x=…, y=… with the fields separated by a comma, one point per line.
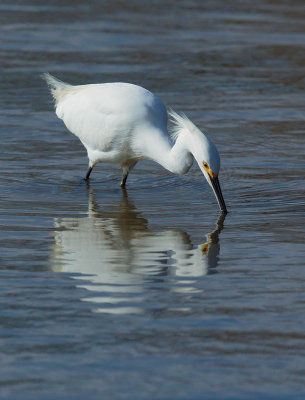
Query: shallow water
x=148, y=293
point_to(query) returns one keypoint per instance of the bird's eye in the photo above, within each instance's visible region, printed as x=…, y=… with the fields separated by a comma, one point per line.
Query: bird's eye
x=205, y=165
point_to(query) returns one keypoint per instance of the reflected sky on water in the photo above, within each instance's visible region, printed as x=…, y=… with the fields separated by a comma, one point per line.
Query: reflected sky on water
x=149, y=294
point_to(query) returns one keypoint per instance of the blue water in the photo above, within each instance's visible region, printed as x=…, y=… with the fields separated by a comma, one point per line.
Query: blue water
x=148, y=293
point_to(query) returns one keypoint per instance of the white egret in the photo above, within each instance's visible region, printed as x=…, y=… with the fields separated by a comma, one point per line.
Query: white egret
x=124, y=123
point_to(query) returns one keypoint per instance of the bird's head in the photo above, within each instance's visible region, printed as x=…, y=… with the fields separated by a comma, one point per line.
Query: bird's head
x=204, y=152
x=207, y=157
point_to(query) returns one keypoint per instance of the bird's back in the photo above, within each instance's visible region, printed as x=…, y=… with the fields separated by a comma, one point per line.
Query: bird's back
x=109, y=115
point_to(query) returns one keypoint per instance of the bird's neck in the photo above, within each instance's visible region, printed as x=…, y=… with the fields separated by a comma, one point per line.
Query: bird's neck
x=176, y=157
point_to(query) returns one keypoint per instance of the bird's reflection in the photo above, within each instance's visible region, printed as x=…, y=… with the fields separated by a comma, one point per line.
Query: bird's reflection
x=115, y=253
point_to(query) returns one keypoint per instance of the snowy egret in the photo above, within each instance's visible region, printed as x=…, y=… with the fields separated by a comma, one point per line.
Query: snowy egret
x=124, y=123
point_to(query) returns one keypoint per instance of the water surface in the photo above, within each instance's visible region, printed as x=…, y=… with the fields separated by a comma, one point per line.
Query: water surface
x=148, y=293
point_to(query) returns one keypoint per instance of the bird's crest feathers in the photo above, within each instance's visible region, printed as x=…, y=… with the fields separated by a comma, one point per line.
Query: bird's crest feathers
x=181, y=123
x=57, y=87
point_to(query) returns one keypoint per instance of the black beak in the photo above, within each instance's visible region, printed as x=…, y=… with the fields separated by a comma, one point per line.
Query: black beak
x=218, y=194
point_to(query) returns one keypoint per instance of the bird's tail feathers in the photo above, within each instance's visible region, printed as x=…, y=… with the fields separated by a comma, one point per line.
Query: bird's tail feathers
x=57, y=87
x=181, y=123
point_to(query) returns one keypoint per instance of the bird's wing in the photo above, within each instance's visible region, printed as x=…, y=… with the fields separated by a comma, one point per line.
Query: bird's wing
x=111, y=116
x=97, y=121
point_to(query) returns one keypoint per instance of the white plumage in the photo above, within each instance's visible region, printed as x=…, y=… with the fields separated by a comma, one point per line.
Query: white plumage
x=124, y=123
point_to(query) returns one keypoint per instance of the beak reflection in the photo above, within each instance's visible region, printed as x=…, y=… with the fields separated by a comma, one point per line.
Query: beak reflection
x=218, y=194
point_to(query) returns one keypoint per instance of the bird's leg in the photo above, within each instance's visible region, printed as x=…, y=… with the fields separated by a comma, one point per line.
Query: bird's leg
x=124, y=178
x=88, y=173
x=126, y=169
